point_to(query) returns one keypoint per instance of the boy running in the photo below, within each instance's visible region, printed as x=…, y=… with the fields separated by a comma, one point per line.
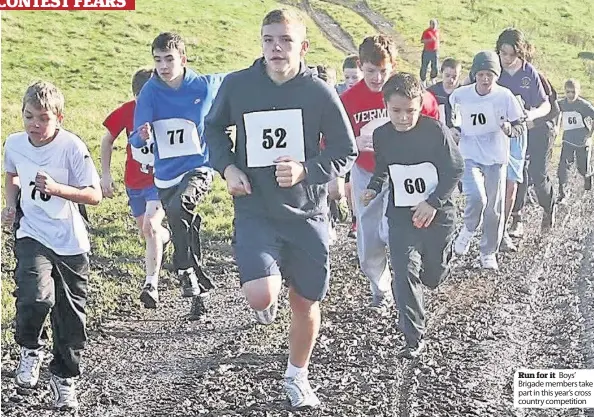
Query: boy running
x=430, y=55
x=450, y=71
x=365, y=106
x=277, y=175
x=49, y=172
x=423, y=163
x=170, y=109
x=578, y=115
x=143, y=197
x=490, y=115
x=351, y=72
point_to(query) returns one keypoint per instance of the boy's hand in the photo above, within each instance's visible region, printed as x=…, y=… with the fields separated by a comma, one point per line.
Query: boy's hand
x=238, y=183
x=288, y=171
x=507, y=128
x=107, y=186
x=364, y=143
x=8, y=216
x=46, y=184
x=367, y=196
x=588, y=123
x=145, y=131
x=423, y=214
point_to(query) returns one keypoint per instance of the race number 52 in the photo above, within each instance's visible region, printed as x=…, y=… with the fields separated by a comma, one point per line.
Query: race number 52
x=274, y=139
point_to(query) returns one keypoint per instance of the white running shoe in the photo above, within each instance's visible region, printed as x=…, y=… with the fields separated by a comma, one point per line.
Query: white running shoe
x=462, y=243
x=189, y=282
x=300, y=393
x=27, y=373
x=267, y=316
x=489, y=261
x=64, y=393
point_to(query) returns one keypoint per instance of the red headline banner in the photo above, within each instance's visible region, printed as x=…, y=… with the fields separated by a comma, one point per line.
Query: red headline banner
x=67, y=5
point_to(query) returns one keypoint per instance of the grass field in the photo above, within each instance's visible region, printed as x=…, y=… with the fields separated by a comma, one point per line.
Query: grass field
x=91, y=56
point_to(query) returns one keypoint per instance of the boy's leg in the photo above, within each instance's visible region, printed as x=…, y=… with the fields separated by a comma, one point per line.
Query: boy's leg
x=35, y=296
x=349, y=196
x=582, y=160
x=405, y=242
x=156, y=236
x=565, y=161
x=473, y=184
x=306, y=266
x=180, y=203
x=371, y=248
x=71, y=275
x=493, y=225
x=437, y=252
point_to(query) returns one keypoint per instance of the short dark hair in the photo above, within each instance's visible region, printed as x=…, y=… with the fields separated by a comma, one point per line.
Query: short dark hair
x=351, y=61
x=375, y=49
x=450, y=63
x=404, y=84
x=169, y=41
x=139, y=79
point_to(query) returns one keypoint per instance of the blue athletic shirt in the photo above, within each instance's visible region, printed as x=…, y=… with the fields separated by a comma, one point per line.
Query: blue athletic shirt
x=177, y=121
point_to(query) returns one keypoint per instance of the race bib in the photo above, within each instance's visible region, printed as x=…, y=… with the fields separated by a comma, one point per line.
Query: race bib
x=412, y=183
x=479, y=120
x=442, y=114
x=145, y=156
x=274, y=133
x=572, y=120
x=176, y=137
x=55, y=207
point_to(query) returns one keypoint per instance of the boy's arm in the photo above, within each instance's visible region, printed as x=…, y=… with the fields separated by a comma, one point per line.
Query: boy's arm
x=450, y=167
x=380, y=174
x=143, y=113
x=217, y=122
x=515, y=116
x=11, y=191
x=339, y=155
x=106, y=151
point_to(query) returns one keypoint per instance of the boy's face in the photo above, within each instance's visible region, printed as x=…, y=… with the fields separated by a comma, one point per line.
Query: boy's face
x=169, y=64
x=375, y=76
x=352, y=76
x=508, y=56
x=404, y=112
x=451, y=77
x=485, y=80
x=40, y=124
x=571, y=93
x=284, y=46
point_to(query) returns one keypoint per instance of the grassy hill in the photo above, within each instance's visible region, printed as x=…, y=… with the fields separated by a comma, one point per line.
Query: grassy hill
x=91, y=56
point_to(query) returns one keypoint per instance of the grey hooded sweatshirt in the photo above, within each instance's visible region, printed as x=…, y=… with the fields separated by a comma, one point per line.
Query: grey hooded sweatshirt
x=273, y=120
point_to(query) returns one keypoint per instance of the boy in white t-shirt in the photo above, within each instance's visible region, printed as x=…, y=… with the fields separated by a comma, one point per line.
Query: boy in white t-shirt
x=490, y=115
x=49, y=173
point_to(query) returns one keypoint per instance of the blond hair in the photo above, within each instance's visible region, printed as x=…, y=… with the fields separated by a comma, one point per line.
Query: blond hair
x=44, y=96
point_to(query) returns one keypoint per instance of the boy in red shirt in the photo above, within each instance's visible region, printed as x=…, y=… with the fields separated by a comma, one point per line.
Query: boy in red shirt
x=365, y=106
x=430, y=40
x=143, y=198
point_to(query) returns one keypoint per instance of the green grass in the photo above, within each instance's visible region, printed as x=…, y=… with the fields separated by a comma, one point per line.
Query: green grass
x=91, y=57
x=558, y=30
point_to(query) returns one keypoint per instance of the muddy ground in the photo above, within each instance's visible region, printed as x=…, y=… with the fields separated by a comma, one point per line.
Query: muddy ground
x=537, y=312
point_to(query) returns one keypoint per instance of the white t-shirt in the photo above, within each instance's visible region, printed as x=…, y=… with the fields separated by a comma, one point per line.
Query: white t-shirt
x=52, y=221
x=482, y=139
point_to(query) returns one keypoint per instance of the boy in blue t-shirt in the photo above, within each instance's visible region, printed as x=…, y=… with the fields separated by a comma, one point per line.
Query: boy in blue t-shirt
x=171, y=107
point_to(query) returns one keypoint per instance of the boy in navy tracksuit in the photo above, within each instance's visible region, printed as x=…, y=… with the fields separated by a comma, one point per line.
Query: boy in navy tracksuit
x=171, y=107
x=278, y=175
x=420, y=158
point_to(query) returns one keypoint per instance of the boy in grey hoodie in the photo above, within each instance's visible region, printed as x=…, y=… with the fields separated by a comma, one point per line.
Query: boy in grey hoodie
x=278, y=175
